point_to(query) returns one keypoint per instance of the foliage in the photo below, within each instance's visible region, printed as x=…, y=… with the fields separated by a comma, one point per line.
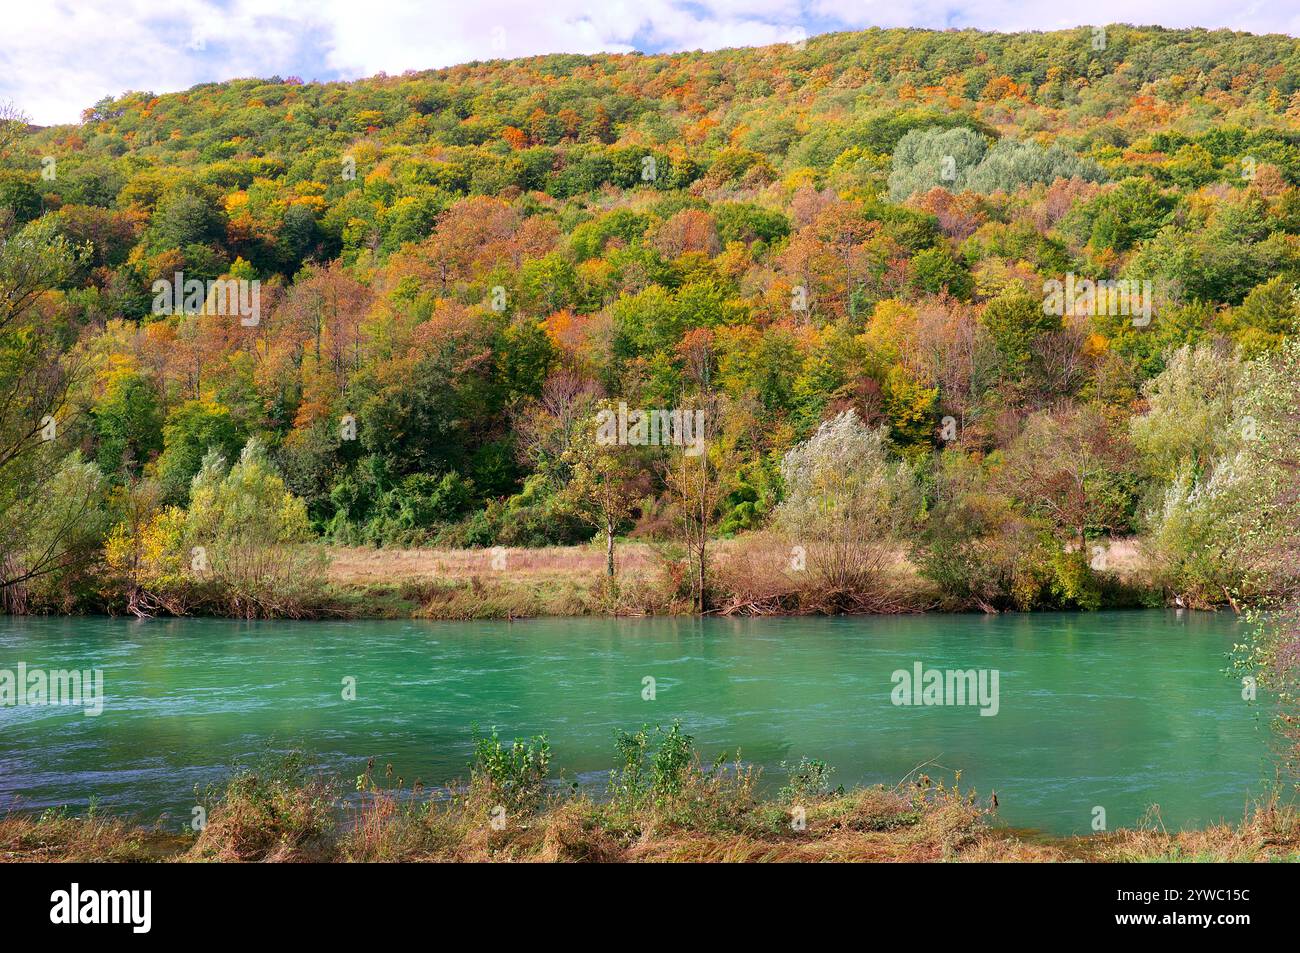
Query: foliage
x=807, y=779
x=513, y=778
x=456, y=267
x=846, y=503
x=961, y=160
x=664, y=779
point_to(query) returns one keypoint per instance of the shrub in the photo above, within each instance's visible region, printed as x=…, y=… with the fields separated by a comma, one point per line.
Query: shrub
x=271, y=811
x=847, y=503
x=252, y=531
x=806, y=780
x=634, y=784
x=513, y=778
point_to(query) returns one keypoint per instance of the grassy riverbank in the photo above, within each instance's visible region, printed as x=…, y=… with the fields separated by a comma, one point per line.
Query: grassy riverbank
x=751, y=576
x=865, y=825
x=663, y=806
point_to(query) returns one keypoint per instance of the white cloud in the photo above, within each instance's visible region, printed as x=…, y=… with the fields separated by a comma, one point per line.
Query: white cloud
x=57, y=58
x=1254, y=16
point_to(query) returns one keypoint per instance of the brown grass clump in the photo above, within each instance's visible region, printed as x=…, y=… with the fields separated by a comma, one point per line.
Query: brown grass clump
x=573, y=833
x=276, y=813
x=1270, y=832
x=58, y=837
x=386, y=829
x=764, y=574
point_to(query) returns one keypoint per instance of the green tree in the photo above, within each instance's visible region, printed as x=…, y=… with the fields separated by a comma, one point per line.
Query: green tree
x=185, y=216
x=129, y=422
x=1268, y=315
x=251, y=532
x=605, y=484
x=34, y=381
x=192, y=430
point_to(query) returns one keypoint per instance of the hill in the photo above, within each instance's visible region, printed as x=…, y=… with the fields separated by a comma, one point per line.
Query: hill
x=988, y=298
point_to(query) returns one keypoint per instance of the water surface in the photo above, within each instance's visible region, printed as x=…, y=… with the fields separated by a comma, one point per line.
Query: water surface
x=1114, y=709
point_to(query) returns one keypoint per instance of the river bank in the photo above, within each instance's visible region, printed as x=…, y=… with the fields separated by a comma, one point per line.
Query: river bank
x=705, y=816
x=749, y=576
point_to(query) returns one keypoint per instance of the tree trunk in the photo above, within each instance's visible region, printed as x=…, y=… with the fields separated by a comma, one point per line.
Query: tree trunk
x=609, y=550
x=700, y=580
x=702, y=553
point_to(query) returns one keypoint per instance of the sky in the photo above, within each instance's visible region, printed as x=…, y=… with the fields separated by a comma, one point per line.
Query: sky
x=58, y=57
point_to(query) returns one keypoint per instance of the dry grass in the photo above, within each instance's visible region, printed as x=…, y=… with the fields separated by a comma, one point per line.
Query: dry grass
x=1126, y=559
x=750, y=575
x=1269, y=832
x=467, y=584
x=765, y=575
x=874, y=825
x=359, y=566
x=56, y=837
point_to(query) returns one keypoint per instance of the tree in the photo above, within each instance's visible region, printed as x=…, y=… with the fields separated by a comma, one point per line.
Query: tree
x=525, y=358
x=1073, y=468
x=1011, y=165
x=252, y=532
x=185, y=216
x=1119, y=218
x=961, y=160
x=1269, y=314
x=192, y=430
x=975, y=546
x=322, y=315
x=930, y=158
x=848, y=505
x=696, y=486
x=128, y=421
x=20, y=200
x=1189, y=412
x=935, y=270
x=13, y=123
x=34, y=381
x=688, y=230
x=62, y=529
x=1017, y=324
x=605, y=483
x=550, y=425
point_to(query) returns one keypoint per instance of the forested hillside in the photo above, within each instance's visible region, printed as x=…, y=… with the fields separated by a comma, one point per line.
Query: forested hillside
x=847, y=254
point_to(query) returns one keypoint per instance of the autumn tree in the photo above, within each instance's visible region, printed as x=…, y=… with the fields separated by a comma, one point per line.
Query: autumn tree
x=847, y=504
x=1074, y=468
x=604, y=484
x=35, y=377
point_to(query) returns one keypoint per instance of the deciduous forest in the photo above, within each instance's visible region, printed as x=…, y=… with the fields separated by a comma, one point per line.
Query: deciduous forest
x=847, y=254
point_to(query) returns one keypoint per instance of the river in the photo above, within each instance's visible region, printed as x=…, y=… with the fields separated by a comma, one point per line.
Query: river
x=1118, y=710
